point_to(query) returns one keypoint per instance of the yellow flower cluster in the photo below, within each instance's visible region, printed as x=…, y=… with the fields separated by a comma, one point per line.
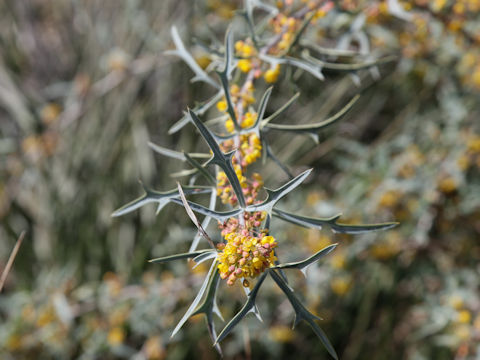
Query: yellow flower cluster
x=245, y=256
x=250, y=187
x=243, y=96
x=251, y=148
x=249, y=119
x=285, y=24
x=245, y=48
x=224, y=189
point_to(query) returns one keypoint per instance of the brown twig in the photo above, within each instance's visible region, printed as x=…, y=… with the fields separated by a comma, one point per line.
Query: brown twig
x=11, y=259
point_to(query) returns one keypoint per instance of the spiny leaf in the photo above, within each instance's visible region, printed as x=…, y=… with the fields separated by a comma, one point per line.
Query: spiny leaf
x=198, y=298
x=273, y=196
x=262, y=107
x=167, y=152
x=209, y=306
x=305, y=221
x=230, y=107
x=317, y=223
x=188, y=255
x=199, y=109
x=313, y=69
x=301, y=265
x=225, y=75
x=327, y=51
x=175, y=154
x=207, y=255
x=360, y=229
x=248, y=15
x=182, y=52
x=277, y=161
x=183, y=173
x=218, y=215
x=256, y=126
x=280, y=111
x=228, y=65
x=200, y=168
x=219, y=158
x=348, y=67
x=251, y=4
x=253, y=310
x=162, y=198
x=249, y=305
x=301, y=313
x=316, y=126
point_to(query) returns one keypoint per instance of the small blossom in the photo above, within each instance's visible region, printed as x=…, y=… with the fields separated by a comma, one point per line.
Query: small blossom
x=271, y=75
x=245, y=256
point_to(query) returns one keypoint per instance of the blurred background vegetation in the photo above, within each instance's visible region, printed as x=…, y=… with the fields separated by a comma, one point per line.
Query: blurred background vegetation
x=84, y=85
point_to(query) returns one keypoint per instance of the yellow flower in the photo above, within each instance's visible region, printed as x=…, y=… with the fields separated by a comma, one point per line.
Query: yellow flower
x=459, y=8
x=473, y=144
x=387, y=248
x=116, y=336
x=281, y=333
x=14, y=342
x=250, y=146
x=341, y=285
x=389, y=199
x=229, y=125
x=462, y=332
x=154, y=349
x=271, y=75
x=464, y=317
x=245, y=65
x=476, y=77
x=46, y=316
x=438, y=5
x=49, y=113
x=447, y=185
x=222, y=106
x=118, y=316
x=203, y=61
x=244, y=49
x=249, y=120
x=456, y=302
x=234, y=90
x=338, y=261
x=463, y=162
